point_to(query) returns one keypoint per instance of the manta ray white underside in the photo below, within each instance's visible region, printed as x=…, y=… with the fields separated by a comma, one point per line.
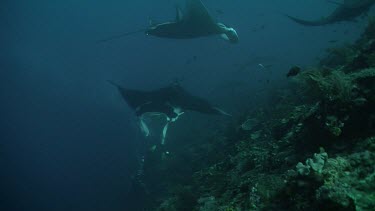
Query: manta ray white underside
x=145, y=129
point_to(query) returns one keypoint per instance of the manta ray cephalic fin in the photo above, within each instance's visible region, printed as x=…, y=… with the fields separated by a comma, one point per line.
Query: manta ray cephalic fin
x=179, y=14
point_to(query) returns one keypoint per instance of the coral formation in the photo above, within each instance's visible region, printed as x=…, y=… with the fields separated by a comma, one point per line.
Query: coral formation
x=273, y=159
x=345, y=182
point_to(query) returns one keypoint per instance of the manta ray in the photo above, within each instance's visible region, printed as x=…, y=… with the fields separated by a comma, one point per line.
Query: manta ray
x=170, y=102
x=348, y=10
x=195, y=22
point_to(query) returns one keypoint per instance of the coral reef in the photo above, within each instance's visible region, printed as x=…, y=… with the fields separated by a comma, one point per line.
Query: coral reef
x=313, y=149
x=345, y=182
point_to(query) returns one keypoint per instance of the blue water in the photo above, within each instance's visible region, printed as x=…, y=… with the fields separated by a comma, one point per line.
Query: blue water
x=68, y=141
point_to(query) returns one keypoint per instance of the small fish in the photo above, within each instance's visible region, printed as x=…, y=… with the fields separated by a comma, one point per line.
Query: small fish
x=191, y=60
x=332, y=41
x=264, y=66
x=293, y=71
x=258, y=28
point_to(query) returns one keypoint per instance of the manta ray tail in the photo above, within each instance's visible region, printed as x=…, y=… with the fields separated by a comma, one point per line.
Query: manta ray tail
x=120, y=36
x=222, y=112
x=306, y=22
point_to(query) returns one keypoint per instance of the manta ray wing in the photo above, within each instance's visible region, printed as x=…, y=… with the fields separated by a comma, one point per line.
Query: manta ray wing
x=180, y=98
x=197, y=14
x=353, y=3
x=350, y=4
x=170, y=101
x=155, y=102
x=346, y=11
x=134, y=98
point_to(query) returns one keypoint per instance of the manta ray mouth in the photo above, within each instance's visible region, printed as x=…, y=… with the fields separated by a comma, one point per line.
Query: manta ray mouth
x=229, y=34
x=232, y=35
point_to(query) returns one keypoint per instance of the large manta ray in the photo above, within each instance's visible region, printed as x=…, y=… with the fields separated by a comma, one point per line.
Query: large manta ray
x=346, y=11
x=170, y=102
x=195, y=22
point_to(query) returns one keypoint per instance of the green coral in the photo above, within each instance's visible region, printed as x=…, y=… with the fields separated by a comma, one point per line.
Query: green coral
x=334, y=125
x=344, y=183
x=249, y=124
x=313, y=165
x=338, y=56
x=324, y=84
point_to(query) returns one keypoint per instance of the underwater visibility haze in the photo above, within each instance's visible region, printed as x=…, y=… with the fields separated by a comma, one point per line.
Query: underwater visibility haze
x=203, y=105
